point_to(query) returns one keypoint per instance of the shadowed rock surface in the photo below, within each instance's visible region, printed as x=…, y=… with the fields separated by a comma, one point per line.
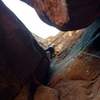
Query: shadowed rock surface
x=21, y=58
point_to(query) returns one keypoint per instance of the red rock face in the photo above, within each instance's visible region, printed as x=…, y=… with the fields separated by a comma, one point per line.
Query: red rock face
x=52, y=12
x=57, y=12
x=45, y=93
x=80, y=80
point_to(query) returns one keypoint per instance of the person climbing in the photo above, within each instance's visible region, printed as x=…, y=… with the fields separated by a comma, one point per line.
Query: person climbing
x=51, y=52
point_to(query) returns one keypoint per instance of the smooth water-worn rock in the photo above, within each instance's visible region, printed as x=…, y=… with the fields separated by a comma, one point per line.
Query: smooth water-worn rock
x=80, y=80
x=21, y=58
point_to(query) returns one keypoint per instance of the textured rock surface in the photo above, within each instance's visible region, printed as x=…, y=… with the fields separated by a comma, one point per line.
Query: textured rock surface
x=80, y=80
x=46, y=93
x=64, y=41
x=53, y=10
x=67, y=14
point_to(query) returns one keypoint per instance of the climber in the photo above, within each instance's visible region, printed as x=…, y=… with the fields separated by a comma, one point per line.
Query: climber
x=50, y=52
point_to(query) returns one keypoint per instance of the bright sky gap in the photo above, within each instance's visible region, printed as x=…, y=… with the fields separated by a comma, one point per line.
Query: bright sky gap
x=30, y=18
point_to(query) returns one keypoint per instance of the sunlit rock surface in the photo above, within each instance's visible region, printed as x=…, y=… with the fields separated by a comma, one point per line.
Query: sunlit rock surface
x=67, y=14
x=53, y=12
x=63, y=41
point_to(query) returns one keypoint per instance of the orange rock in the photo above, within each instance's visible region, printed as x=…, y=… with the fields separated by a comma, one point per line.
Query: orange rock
x=79, y=81
x=23, y=94
x=83, y=68
x=45, y=93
